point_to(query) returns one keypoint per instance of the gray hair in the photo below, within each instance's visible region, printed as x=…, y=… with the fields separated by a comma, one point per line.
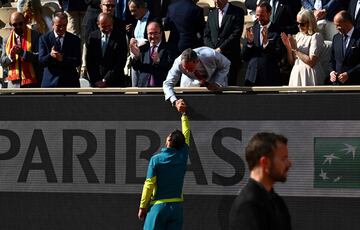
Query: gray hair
x=189, y=55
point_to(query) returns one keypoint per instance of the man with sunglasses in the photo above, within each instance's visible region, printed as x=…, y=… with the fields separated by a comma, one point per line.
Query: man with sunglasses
x=20, y=54
x=161, y=200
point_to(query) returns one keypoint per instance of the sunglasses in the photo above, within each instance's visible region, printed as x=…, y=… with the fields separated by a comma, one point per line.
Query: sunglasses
x=302, y=24
x=109, y=5
x=17, y=24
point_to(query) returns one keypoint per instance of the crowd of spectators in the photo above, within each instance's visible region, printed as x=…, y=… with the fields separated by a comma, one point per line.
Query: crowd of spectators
x=291, y=42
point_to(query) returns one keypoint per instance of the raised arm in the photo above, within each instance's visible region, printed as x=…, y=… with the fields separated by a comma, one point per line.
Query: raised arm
x=185, y=127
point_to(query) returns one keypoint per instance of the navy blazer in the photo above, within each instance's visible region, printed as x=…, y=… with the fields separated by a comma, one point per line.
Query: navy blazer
x=185, y=20
x=263, y=63
x=146, y=67
x=349, y=63
x=110, y=66
x=60, y=74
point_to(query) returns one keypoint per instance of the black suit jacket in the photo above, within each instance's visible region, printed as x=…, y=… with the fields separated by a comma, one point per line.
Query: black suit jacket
x=227, y=37
x=256, y=209
x=110, y=66
x=60, y=74
x=263, y=63
x=185, y=20
x=351, y=10
x=349, y=63
x=146, y=67
x=285, y=15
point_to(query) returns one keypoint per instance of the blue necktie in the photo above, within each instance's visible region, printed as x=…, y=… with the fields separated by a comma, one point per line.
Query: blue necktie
x=345, y=36
x=104, y=42
x=58, y=44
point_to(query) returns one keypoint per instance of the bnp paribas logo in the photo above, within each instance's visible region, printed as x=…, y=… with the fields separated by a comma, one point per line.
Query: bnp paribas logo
x=337, y=162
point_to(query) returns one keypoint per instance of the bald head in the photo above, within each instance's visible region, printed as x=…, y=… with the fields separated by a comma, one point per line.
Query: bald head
x=343, y=22
x=17, y=21
x=105, y=23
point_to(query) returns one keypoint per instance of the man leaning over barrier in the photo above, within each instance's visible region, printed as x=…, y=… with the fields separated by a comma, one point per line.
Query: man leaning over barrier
x=202, y=66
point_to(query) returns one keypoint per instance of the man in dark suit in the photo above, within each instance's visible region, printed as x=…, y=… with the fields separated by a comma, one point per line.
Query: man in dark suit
x=283, y=13
x=106, y=6
x=106, y=54
x=185, y=20
x=222, y=33
x=60, y=55
x=354, y=9
x=153, y=60
x=20, y=54
x=345, y=52
x=263, y=50
x=258, y=206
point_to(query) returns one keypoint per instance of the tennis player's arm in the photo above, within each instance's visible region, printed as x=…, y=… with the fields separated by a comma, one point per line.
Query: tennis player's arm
x=185, y=128
x=147, y=192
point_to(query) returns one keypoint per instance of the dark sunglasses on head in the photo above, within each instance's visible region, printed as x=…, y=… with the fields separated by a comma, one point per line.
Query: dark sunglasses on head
x=109, y=5
x=17, y=24
x=302, y=24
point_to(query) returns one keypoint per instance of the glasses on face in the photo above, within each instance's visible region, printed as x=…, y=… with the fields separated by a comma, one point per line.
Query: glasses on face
x=19, y=24
x=153, y=33
x=301, y=24
x=109, y=5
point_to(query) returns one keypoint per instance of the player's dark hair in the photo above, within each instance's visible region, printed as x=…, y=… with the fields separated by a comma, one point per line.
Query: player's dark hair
x=177, y=139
